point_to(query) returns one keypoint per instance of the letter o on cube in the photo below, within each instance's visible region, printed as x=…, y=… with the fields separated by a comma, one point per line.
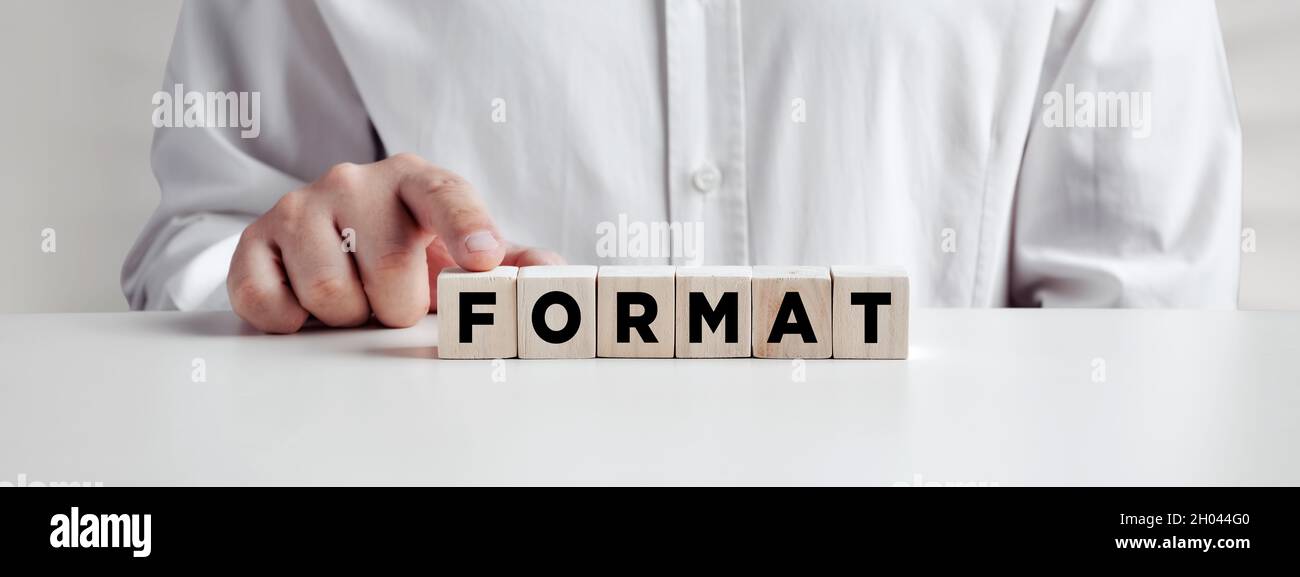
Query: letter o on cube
x=557, y=312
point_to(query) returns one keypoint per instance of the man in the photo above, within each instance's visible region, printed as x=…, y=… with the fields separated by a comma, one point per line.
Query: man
x=1007, y=152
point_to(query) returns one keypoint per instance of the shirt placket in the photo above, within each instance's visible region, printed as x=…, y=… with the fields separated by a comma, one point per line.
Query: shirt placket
x=706, y=131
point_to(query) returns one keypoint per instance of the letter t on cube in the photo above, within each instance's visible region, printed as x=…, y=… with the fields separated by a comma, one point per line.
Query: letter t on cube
x=476, y=314
x=871, y=306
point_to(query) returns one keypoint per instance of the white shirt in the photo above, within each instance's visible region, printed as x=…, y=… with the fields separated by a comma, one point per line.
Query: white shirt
x=917, y=133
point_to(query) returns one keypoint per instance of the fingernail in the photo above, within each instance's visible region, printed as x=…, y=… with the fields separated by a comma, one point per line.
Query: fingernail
x=481, y=241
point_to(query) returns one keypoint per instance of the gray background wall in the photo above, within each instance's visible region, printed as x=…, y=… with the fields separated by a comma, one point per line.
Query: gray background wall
x=74, y=147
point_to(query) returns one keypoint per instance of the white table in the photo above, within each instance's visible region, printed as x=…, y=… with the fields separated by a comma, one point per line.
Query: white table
x=1001, y=397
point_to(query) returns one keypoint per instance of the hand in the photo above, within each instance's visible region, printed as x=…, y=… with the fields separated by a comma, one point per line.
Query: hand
x=410, y=219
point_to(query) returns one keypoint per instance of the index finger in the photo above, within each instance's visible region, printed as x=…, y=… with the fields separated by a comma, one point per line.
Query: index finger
x=448, y=206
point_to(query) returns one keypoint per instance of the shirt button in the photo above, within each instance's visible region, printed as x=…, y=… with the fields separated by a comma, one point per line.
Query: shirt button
x=707, y=177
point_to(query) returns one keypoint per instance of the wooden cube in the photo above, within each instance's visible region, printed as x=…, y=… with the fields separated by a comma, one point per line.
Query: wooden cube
x=634, y=310
x=557, y=312
x=792, y=312
x=476, y=314
x=713, y=311
x=870, y=312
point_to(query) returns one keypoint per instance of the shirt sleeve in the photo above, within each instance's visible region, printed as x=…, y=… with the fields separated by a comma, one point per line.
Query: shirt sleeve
x=216, y=179
x=1140, y=211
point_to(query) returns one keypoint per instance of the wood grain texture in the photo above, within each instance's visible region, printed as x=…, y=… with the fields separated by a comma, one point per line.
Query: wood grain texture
x=579, y=282
x=659, y=282
x=713, y=282
x=770, y=286
x=494, y=341
x=850, y=319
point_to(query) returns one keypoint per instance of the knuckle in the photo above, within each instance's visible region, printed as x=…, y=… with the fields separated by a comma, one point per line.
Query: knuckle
x=326, y=289
x=290, y=226
x=248, y=297
x=292, y=204
x=438, y=182
x=408, y=160
x=464, y=216
x=291, y=217
x=444, y=181
x=342, y=177
x=394, y=261
x=255, y=302
x=249, y=233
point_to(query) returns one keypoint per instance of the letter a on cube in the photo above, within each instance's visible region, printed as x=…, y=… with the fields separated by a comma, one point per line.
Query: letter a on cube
x=634, y=305
x=871, y=306
x=713, y=311
x=557, y=312
x=792, y=312
x=476, y=314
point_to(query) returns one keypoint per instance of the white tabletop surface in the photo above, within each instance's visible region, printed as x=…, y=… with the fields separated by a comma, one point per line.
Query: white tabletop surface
x=1003, y=397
